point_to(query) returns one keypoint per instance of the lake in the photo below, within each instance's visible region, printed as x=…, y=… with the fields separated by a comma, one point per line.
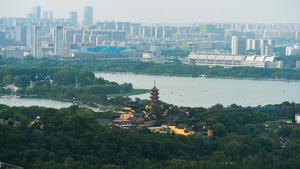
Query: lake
x=27, y=102
x=205, y=92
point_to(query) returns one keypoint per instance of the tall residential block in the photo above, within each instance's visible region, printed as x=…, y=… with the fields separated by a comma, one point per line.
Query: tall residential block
x=58, y=41
x=238, y=45
x=21, y=35
x=36, y=41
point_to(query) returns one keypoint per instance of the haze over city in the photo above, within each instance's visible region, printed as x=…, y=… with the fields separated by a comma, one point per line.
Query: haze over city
x=133, y=84
x=166, y=11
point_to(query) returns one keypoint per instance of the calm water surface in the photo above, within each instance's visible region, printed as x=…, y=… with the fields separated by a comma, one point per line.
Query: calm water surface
x=193, y=92
x=205, y=92
x=27, y=102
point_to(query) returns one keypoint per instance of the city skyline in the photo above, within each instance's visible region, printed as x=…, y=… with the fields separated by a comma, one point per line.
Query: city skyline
x=167, y=11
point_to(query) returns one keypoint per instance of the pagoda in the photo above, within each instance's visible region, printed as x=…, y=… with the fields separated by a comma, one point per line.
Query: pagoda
x=154, y=92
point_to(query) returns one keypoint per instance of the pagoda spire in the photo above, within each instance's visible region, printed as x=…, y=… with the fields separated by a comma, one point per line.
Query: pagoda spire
x=154, y=94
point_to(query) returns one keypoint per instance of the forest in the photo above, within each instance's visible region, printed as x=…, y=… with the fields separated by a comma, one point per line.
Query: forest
x=73, y=138
x=62, y=84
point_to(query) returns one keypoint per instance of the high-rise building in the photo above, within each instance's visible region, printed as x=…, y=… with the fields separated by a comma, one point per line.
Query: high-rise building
x=2, y=38
x=36, y=12
x=159, y=33
x=120, y=26
x=126, y=27
x=234, y=45
x=135, y=29
x=88, y=16
x=146, y=31
x=73, y=18
x=77, y=38
x=268, y=50
x=238, y=45
x=251, y=44
x=254, y=44
x=86, y=38
x=266, y=46
x=21, y=34
x=36, y=41
x=29, y=36
x=58, y=41
x=93, y=40
x=68, y=35
x=48, y=15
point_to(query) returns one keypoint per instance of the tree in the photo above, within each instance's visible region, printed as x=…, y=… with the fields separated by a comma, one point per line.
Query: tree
x=22, y=80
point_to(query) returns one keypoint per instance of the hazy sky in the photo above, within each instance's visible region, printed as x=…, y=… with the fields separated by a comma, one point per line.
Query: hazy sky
x=166, y=11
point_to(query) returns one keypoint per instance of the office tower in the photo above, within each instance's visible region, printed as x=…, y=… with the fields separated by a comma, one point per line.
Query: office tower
x=36, y=13
x=2, y=38
x=48, y=15
x=21, y=35
x=238, y=45
x=36, y=41
x=73, y=18
x=88, y=16
x=58, y=41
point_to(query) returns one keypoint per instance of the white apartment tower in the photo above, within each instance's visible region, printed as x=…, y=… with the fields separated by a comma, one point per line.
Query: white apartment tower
x=238, y=45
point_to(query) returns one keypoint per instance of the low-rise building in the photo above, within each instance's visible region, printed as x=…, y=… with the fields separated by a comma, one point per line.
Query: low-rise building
x=298, y=64
x=123, y=124
x=232, y=60
x=292, y=50
x=178, y=130
x=297, y=118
